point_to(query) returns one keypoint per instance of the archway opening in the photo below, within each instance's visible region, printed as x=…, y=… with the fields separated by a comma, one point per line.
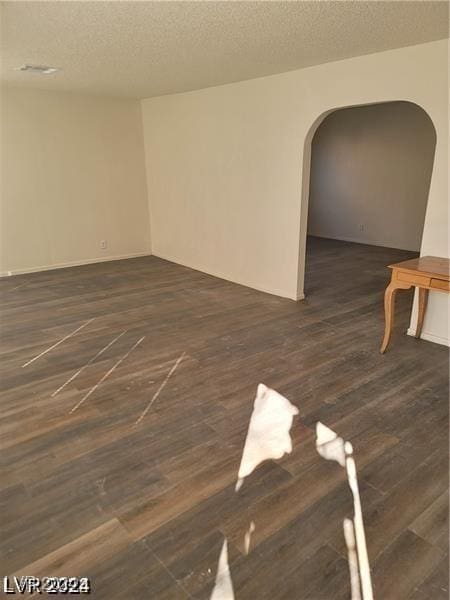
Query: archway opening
x=365, y=194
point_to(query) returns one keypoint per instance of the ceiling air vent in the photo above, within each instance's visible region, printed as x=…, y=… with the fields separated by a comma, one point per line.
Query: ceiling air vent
x=41, y=69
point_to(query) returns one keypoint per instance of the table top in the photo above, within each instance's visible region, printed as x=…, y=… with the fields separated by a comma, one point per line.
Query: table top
x=434, y=266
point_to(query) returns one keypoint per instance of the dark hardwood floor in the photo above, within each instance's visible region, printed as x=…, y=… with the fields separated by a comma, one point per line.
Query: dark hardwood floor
x=132, y=484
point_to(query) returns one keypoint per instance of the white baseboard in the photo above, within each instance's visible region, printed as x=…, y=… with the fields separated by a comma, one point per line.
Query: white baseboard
x=430, y=337
x=259, y=288
x=363, y=242
x=75, y=263
x=274, y=292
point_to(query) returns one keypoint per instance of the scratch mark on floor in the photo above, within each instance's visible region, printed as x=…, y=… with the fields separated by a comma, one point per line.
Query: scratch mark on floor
x=100, y=483
x=66, y=337
x=17, y=287
x=61, y=387
x=176, y=581
x=161, y=387
x=107, y=374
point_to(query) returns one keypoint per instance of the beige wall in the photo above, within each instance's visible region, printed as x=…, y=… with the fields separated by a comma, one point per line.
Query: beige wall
x=370, y=175
x=72, y=174
x=228, y=167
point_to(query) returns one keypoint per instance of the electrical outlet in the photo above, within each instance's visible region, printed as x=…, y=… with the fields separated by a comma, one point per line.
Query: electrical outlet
x=103, y=244
x=361, y=226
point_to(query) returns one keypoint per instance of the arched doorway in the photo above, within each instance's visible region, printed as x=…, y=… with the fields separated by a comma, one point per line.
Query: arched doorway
x=367, y=172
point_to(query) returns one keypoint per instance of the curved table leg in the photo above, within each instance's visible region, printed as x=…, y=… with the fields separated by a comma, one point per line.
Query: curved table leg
x=389, y=301
x=423, y=299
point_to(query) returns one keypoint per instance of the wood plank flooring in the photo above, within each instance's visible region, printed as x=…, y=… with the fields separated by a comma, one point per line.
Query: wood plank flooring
x=142, y=505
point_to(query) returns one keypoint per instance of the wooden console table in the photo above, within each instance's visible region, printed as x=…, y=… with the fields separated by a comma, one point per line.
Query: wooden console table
x=426, y=273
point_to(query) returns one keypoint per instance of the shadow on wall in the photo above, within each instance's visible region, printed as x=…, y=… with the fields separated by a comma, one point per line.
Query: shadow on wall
x=370, y=175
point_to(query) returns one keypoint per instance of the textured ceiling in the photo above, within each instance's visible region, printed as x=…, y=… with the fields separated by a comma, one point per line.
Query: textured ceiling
x=142, y=49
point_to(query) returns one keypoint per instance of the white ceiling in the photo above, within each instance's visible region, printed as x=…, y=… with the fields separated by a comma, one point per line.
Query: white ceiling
x=142, y=49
